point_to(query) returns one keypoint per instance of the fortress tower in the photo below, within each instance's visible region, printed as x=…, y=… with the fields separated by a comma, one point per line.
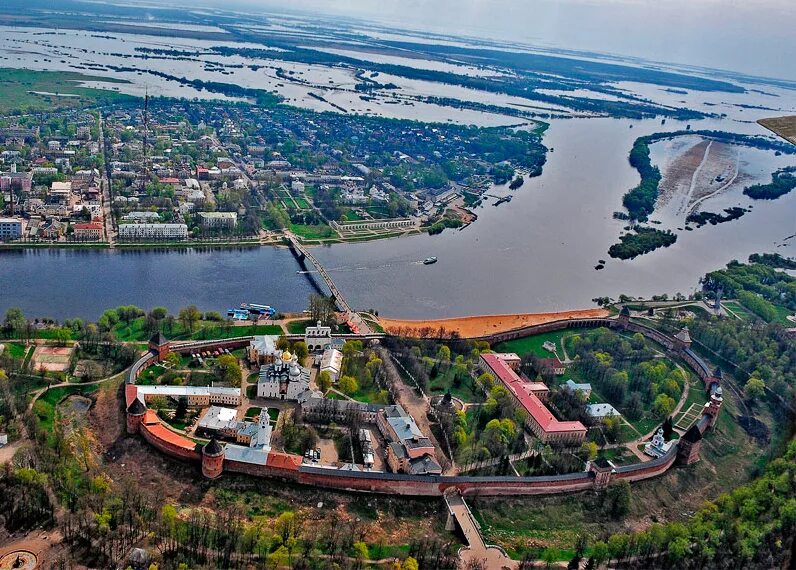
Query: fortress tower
x=624, y=317
x=713, y=407
x=135, y=414
x=682, y=340
x=688, y=447
x=212, y=459
x=159, y=345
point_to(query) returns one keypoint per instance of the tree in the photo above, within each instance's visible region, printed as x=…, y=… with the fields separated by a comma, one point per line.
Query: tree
x=589, y=450
x=189, y=316
x=618, y=497
x=15, y=320
x=663, y=405
x=282, y=343
x=228, y=369
x=324, y=381
x=300, y=350
x=754, y=389
x=444, y=354
x=410, y=564
x=361, y=552
x=321, y=309
x=348, y=385
x=182, y=408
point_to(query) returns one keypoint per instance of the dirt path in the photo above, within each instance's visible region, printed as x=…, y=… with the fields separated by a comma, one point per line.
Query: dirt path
x=729, y=183
x=483, y=325
x=694, y=177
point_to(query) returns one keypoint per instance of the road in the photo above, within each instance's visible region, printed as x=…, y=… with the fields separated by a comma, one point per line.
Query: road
x=105, y=187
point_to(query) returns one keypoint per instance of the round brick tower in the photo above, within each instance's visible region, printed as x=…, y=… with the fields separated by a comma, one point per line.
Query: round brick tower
x=212, y=459
x=135, y=414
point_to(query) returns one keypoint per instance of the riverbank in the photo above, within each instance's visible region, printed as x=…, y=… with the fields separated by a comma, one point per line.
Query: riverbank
x=482, y=325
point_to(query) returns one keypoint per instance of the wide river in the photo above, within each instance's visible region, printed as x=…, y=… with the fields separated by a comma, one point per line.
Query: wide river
x=536, y=253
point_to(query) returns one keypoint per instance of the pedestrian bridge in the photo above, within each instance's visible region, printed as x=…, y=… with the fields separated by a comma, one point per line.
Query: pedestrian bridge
x=358, y=325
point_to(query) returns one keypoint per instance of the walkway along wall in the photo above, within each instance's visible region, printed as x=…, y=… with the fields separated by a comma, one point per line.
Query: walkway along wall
x=289, y=467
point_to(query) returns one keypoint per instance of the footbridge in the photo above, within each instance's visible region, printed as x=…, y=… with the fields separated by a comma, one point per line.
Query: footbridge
x=354, y=320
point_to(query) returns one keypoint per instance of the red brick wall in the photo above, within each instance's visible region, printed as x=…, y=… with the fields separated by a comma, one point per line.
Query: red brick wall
x=168, y=448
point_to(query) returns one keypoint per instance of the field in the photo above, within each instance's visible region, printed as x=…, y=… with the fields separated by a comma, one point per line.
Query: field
x=533, y=344
x=782, y=126
x=23, y=90
x=204, y=330
x=312, y=232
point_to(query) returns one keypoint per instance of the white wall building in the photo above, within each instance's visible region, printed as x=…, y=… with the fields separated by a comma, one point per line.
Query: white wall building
x=332, y=362
x=153, y=231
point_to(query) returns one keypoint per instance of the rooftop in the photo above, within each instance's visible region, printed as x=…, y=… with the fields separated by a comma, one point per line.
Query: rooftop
x=530, y=403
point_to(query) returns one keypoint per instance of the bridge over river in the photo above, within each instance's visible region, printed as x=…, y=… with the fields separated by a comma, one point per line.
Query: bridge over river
x=357, y=324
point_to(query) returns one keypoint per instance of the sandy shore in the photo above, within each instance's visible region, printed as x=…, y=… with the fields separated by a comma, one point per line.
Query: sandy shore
x=488, y=324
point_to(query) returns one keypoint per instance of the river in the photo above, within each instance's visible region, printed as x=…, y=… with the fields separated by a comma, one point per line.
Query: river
x=535, y=253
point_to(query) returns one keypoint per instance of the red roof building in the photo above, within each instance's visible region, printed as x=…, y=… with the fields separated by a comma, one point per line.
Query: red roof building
x=88, y=232
x=541, y=420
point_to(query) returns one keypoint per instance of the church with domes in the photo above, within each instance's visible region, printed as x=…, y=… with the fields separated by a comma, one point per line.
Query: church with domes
x=284, y=379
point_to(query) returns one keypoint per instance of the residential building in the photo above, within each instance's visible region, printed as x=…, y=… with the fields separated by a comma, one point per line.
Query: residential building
x=153, y=231
x=573, y=386
x=263, y=350
x=602, y=411
x=218, y=220
x=88, y=232
x=11, y=228
x=141, y=217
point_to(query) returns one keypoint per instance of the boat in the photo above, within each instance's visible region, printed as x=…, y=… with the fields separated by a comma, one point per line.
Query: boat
x=502, y=200
x=258, y=310
x=429, y=260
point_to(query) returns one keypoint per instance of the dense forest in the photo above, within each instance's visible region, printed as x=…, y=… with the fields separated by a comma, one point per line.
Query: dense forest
x=782, y=182
x=644, y=240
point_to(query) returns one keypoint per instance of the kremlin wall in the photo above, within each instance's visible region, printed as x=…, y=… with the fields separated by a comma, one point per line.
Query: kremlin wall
x=290, y=467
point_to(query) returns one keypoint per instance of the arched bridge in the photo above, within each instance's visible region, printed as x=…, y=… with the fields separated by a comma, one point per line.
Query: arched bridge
x=352, y=316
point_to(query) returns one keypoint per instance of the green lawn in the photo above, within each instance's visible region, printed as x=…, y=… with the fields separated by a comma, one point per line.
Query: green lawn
x=312, y=232
x=299, y=327
x=253, y=411
x=351, y=216
x=33, y=91
x=302, y=203
x=533, y=344
x=16, y=350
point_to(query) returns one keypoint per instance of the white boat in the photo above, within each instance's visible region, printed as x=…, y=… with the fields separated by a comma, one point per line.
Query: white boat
x=429, y=260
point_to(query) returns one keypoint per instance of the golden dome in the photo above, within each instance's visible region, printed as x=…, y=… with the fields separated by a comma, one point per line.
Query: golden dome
x=286, y=356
